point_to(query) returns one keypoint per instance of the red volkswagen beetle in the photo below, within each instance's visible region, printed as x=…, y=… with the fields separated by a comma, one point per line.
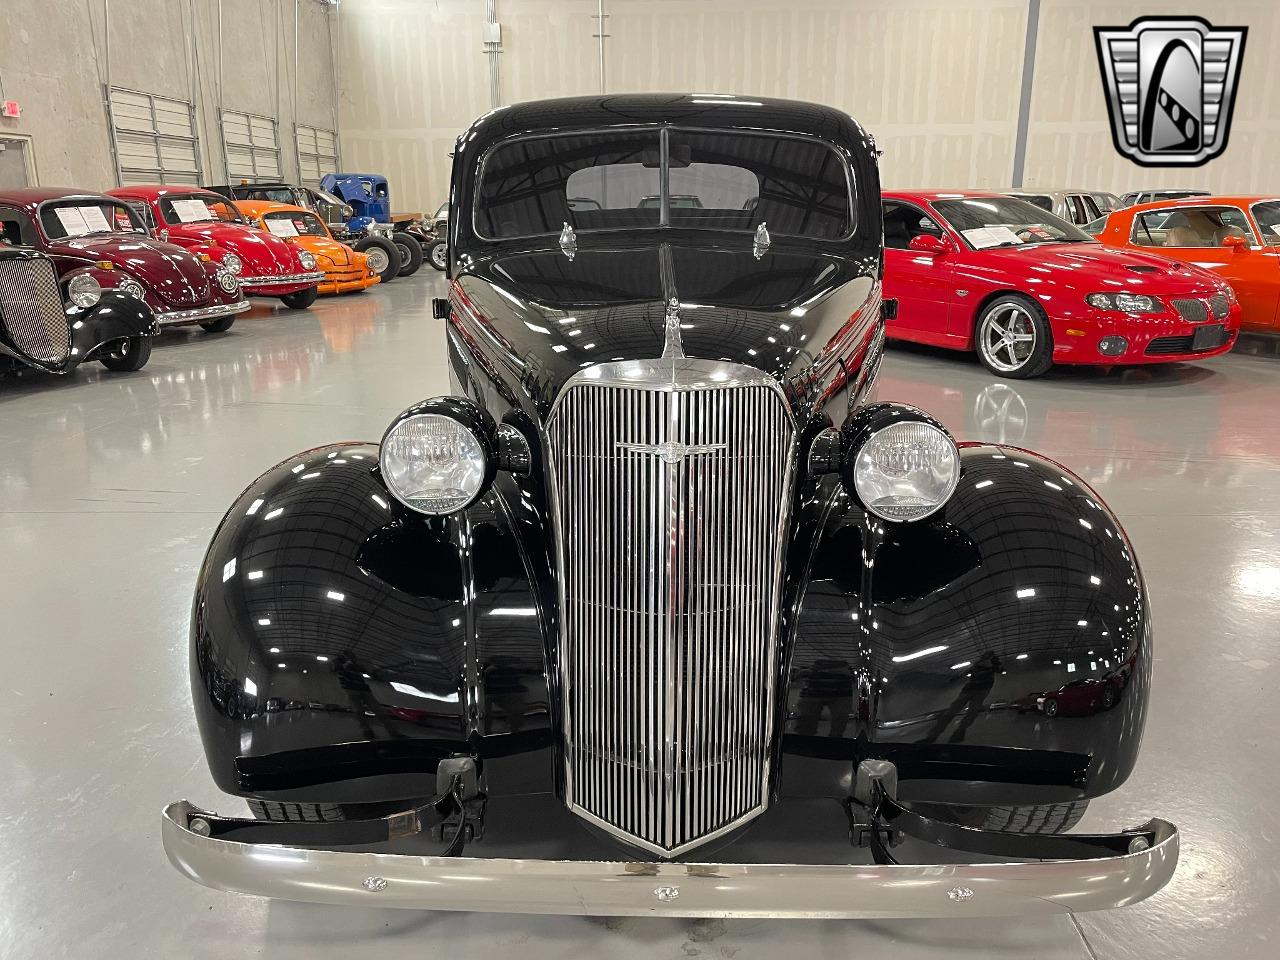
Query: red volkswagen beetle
x=195, y=218
x=1026, y=290
x=98, y=242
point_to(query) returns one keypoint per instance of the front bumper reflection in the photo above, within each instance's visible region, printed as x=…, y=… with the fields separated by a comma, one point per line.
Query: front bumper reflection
x=609, y=888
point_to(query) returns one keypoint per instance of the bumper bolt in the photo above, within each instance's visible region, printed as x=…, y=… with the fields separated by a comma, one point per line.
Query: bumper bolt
x=667, y=894
x=374, y=884
x=1138, y=844
x=960, y=894
x=201, y=826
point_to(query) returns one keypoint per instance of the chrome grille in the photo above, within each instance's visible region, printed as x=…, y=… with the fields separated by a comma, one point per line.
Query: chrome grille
x=1193, y=311
x=31, y=310
x=1219, y=306
x=672, y=492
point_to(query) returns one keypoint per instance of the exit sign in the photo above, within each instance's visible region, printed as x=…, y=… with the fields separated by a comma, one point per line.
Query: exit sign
x=12, y=109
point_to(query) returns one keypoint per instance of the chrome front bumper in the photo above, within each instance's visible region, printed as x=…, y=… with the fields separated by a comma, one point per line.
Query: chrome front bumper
x=289, y=280
x=606, y=888
x=201, y=314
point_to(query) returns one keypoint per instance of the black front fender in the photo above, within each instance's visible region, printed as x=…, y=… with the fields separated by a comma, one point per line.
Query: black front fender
x=341, y=644
x=117, y=316
x=998, y=652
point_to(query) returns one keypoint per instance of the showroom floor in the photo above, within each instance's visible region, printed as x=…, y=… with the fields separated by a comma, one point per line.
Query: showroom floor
x=112, y=485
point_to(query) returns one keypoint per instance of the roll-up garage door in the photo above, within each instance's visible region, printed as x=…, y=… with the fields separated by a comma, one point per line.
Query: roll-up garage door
x=154, y=138
x=317, y=153
x=251, y=147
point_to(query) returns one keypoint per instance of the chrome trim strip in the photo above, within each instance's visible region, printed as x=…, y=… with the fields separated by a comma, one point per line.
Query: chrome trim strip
x=669, y=747
x=171, y=317
x=614, y=889
x=312, y=276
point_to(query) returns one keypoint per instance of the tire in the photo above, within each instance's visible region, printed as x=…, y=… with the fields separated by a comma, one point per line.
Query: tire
x=130, y=355
x=384, y=256
x=302, y=299
x=410, y=253
x=1044, y=818
x=438, y=254
x=1050, y=707
x=280, y=812
x=221, y=325
x=1012, y=315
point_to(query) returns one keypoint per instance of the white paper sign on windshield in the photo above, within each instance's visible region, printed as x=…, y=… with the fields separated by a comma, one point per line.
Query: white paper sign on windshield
x=72, y=220
x=984, y=237
x=192, y=210
x=95, y=219
x=281, y=227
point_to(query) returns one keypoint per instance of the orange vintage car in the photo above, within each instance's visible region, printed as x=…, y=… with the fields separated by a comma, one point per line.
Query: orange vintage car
x=1238, y=238
x=344, y=269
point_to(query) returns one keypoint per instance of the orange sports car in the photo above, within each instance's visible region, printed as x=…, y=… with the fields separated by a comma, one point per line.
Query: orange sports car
x=344, y=269
x=1238, y=238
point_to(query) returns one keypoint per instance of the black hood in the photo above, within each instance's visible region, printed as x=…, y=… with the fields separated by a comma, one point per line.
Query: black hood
x=555, y=315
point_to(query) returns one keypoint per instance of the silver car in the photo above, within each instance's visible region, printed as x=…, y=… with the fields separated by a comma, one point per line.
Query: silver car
x=1075, y=206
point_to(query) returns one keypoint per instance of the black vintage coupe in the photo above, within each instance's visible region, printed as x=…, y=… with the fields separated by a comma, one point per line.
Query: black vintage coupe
x=53, y=326
x=660, y=612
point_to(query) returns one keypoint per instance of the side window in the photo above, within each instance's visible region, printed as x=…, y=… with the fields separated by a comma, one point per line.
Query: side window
x=903, y=222
x=145, y=214
x=1075, y=209
x=1190, y=227
x=1089, y=206
x=15, y=228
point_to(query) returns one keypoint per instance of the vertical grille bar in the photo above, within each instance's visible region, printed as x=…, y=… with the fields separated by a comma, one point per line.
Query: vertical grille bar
x=31, y=310
x=671, y=497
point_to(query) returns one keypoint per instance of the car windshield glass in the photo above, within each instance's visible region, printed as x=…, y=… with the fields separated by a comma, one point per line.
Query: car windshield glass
x=1106, y=201
x=987, y=222
x=443, y=212
x=270, y=194
x=77, y=218
x=1041, y=200
x=1094, y=227
x=1268, y=216
x=198, y=208
x=721, y=180
x=288, y=223
x=1190, y=227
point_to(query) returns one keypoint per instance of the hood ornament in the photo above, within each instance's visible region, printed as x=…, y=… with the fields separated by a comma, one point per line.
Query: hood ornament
x=762, y=241
x=673, y=343
x=568, y=241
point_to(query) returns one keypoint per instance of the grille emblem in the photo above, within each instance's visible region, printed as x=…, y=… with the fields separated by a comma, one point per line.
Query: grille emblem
x=673, y=452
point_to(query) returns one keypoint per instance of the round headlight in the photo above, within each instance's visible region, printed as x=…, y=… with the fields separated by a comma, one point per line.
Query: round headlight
x=433, y=463
x=307, y=259
x=227, y=281
x=132, y=287
x=84, y=290
x=233, y=264
x=906, y=471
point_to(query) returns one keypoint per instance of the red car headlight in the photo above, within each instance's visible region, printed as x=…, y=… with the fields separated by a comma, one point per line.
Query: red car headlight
x=1125, y=302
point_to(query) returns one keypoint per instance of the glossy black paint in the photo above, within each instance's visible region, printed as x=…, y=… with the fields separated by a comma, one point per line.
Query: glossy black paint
x=115, y=317
x=442, y=637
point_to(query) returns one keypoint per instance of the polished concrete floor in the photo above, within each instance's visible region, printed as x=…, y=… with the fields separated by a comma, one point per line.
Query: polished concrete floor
x=112, y=485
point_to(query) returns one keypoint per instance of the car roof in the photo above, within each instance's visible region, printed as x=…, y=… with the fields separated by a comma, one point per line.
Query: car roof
x=256, y=208
x=929, y=196
x=153, y=191
x=32, y=197
x=1208, y=200
x=690, y=110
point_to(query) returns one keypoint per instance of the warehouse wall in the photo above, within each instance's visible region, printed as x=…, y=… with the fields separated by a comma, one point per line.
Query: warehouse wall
x=937, y=81
x=1069, y=142
x=53, y=60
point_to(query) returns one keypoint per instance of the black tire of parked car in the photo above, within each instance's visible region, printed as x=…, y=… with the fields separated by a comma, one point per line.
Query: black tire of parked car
x=1043, y=818
x=437, y=254
x=130, y=355
x=410, y=253
x=384, y=256
x=1023, y=316
x=302, y=299
x=221, y=325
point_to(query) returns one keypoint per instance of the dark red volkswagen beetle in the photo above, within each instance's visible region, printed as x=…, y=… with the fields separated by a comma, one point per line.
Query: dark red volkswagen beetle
x=99, y=243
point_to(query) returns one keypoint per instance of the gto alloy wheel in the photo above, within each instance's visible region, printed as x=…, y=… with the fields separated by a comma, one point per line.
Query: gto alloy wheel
x=1013, y=338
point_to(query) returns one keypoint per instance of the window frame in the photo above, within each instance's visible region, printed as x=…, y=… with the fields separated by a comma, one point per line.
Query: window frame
x=943, y=227
x=1248, y=219
x=26, y=224
x=664, y=130
x=81, y=201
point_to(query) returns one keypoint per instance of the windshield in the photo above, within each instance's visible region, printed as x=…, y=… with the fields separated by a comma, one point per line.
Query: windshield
x=443, y=212
x=1041, y=200
x=198, y=208
x=1267, y=214
x=1095, y=227
x=987, y=222
x=288, y=223
x=272, y=194
x=721, y=180
x=1106, y=201
x=78, y=218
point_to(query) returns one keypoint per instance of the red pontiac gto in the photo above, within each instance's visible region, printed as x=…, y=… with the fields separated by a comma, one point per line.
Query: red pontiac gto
x=99, y=243
x=1026, y=290
x=195, y=218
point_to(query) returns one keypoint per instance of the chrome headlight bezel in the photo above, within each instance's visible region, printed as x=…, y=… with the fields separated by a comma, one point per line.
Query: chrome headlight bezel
x=232, y=263
x=307, y=259
x=1137, y=303
x=901, y=464
x=406, y=467
x=84, y=290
